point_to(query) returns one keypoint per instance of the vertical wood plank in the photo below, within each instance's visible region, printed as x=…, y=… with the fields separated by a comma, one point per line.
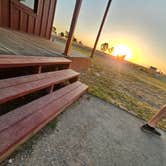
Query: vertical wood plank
x=44, y=18
x=39, y=17
x=24, y=22
x=5, y=12
x=0, y=13
x=21, y=19
x=15, y=15
x=51, y=18
x=31, y=22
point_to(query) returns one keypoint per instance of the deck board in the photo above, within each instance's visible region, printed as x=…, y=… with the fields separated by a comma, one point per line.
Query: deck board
x=5, y=83
x=20, y=90
x=20, y=113
x=19, y=43
x=13, y=42
x=29, y=125
x=18, y=61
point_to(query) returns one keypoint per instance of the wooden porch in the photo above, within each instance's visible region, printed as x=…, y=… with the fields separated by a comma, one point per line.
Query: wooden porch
x=19, y=43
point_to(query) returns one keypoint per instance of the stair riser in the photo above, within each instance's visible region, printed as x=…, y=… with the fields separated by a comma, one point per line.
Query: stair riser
x=23, y=71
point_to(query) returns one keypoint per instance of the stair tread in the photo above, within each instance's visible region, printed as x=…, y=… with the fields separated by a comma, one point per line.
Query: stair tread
x=18, y=61
x=36, y=117
x=4, y=83
x=22, y=112
x=20, y=86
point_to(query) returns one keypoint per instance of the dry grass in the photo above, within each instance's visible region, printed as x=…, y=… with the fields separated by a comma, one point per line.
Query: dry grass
x=126, y=86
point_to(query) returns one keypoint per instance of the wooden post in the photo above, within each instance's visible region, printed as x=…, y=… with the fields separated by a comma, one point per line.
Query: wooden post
x=72, y=27
x=101, y=27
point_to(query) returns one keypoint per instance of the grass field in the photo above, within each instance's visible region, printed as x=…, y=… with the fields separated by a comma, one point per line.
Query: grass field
x=129, y=86
x=126, y=86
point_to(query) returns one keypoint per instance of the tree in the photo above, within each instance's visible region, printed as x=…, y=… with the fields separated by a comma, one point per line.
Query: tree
x=54, y=30
x=62, y=34
x=111, y=50
x=80, y=42
x=74, y=39
x=104, y=47
x=66, y=34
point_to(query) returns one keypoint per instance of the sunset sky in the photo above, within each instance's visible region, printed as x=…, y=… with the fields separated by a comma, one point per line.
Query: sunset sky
x=138, y=24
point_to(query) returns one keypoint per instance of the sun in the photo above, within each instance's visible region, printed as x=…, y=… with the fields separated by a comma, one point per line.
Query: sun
x=122, y=50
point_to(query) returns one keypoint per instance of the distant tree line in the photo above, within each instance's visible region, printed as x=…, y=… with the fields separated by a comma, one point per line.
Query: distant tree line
x=66, y=35
x=105, y=47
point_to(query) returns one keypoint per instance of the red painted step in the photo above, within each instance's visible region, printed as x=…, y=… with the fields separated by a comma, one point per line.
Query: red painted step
x=23, y=61
x=20, y=124
x=13, y=88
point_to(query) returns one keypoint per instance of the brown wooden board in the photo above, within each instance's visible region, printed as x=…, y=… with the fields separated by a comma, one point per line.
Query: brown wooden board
x=0, y=13
x=51, y=18
x=45, y=18
x=29, y=61
x=29, y=125
x=38, y=57
x=20, y=113
x=5, y=83
x=15, y=16
x=31, y=24
x=24, y=22
x=5, y=19
x=19, y=90
x=39, y=18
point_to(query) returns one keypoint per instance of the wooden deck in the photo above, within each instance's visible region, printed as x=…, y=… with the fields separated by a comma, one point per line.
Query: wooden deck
x=17, y=43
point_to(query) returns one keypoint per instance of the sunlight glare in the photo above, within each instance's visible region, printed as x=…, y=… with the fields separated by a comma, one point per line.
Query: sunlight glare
x=120, y=50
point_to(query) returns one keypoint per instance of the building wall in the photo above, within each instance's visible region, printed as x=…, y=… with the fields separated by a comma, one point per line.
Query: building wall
x=0, y=13
x=19, y=17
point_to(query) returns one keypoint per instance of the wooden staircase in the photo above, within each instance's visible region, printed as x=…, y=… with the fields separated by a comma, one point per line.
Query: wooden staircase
x=33, y=91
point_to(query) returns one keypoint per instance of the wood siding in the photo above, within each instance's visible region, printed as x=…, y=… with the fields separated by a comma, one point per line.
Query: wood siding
x=0, y=13
x=19, y=17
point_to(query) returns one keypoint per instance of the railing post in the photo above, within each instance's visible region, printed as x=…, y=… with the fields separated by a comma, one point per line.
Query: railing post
x=101, y=27
x=72, y=27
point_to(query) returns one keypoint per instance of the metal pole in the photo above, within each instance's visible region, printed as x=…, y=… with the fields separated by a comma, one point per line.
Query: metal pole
x=101, y=27
x=72, y=27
